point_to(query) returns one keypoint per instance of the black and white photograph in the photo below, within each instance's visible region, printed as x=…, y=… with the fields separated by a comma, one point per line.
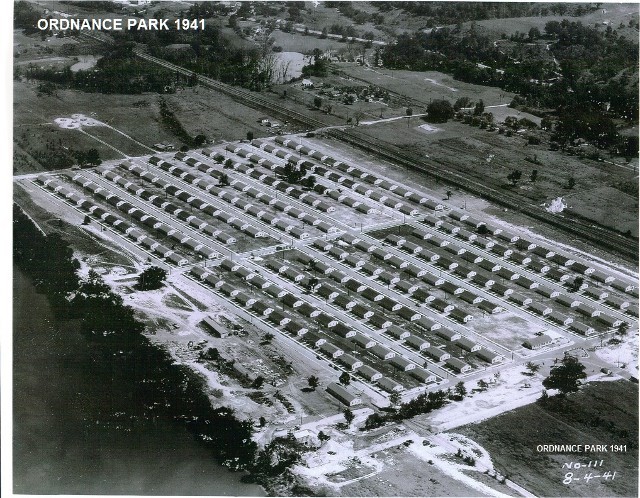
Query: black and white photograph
x=321, y=248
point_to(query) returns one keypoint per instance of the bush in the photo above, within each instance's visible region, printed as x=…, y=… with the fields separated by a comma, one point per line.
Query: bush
x=439, y=111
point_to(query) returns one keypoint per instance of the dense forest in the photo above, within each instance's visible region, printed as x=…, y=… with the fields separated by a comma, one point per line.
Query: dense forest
x=118, y=71
x=587, y=77
x=453, y=12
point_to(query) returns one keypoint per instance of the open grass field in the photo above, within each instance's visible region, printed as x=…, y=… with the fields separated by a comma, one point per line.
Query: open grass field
x=601, y=413
x=428, y=85
x=613, y=14
x=600, y=186
x=297, y=42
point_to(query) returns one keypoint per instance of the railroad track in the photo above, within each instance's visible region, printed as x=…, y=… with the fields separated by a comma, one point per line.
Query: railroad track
x=595, y=234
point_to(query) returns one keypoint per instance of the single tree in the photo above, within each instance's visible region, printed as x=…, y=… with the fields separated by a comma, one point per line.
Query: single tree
x=309, y=182
x=268, y=337
x=571, y=182
x=534, y=176
x=409, y=114
x=344, y=379
x=93, y=157
x=576, y=285
x=375, y=420
x=349, y=416
x=623, y=329
x=152, y=278
x=514, y=176
x=395, y=398
x=462, y=102
x=544, y=397
x=449, y=193
x=224, y=180
x=439, y=111
x=460, y=390
x=258, y=381
x=532, y=367
x=249, y=135
x=86, y=220
x=198, y=140
x=317, y=102
x=566, y=376
x=482, y=385
x=479, y=108
x=313, y=382
x=262, y=421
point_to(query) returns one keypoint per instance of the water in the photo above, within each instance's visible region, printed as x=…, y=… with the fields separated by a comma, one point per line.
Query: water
x=292, y=61
x=84, y=62
x=59, y=448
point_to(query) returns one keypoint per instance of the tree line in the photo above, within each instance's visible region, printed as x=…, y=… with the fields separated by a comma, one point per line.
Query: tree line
x=118, y=71
x=592, y=86
x=162, y=387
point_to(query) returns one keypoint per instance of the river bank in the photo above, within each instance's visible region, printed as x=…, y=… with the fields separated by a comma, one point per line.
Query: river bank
x=79, y=429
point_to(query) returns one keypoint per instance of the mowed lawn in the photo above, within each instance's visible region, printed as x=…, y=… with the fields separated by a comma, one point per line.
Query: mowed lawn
x=601, y=413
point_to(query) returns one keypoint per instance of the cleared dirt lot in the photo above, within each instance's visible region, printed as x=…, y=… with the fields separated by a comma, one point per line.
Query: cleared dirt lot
x=603, y=413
